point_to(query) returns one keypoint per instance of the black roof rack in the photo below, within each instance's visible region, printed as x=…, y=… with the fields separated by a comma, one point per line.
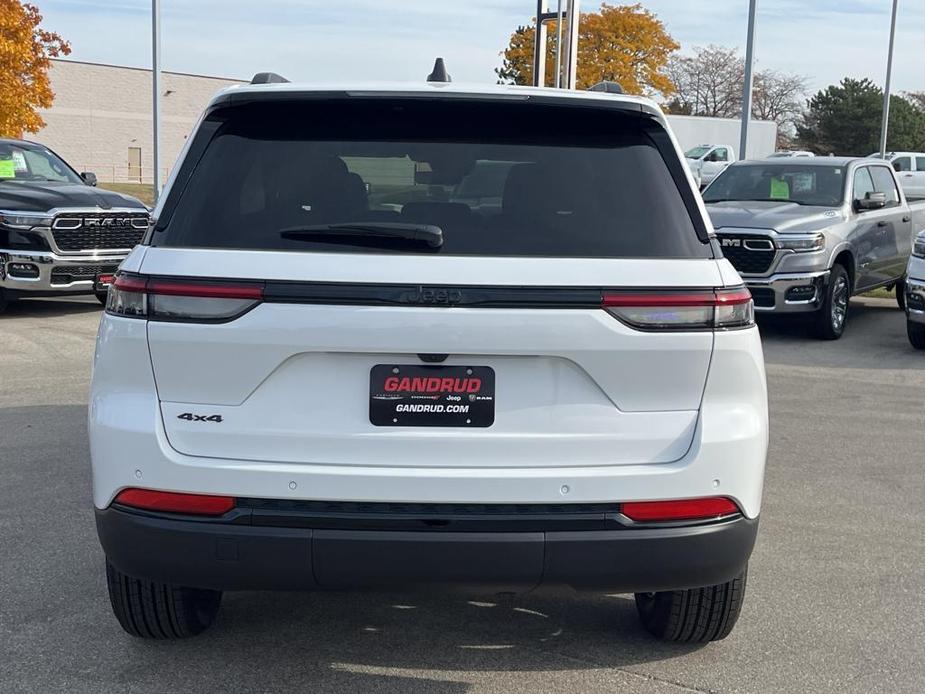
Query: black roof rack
x=268, y=78
x=608, y=86
x=439, y=73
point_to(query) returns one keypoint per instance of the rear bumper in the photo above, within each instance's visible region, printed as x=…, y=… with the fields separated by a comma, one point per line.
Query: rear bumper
x=57, y=274
x=777, y=293
x=233, y=556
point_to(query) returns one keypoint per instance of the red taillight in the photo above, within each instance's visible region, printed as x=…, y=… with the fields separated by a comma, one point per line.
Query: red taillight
x=164, y=299
x=205, y=291
x=681, y=509
x=641, y=300
x=130, y=284
x=175, y=502
x=682, y=310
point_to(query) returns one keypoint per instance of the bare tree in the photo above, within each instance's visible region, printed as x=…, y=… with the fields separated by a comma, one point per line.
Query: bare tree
x=779, y=97
x=709, y=83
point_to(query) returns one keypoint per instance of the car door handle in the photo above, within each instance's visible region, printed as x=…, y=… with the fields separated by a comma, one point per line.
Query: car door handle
x=882, y=223
x=907, y=218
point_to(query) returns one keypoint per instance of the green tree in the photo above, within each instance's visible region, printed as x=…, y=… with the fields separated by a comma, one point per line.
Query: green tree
x=845, y=119
x=624, y=43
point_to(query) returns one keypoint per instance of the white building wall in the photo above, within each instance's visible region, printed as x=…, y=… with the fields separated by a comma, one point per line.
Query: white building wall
x=100, y=111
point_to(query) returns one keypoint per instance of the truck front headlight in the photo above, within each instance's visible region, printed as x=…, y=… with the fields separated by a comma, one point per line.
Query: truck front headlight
x=918, y=248
x=801, y=243
x=22, y=220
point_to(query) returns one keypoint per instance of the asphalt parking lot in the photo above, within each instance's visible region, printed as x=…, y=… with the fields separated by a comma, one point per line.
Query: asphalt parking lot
x=834, y=604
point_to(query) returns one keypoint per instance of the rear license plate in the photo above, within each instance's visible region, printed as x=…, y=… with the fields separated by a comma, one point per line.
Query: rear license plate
x=403, y=395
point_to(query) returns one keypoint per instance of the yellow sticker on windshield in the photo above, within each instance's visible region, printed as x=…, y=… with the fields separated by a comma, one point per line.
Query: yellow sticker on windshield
x=7, y=168
x=780, y=189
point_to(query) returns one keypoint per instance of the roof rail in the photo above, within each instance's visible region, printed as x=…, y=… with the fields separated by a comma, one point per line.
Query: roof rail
x=267, y=78
x=608, y=86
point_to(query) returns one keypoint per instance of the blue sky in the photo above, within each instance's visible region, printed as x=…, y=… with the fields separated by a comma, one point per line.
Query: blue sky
x=380, y=40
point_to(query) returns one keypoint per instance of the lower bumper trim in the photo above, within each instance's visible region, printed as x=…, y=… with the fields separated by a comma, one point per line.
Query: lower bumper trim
x=776, y=293
x=223, y=556
x=57, y=274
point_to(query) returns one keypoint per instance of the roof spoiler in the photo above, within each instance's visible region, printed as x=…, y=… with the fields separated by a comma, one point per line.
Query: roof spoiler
x=268, y=78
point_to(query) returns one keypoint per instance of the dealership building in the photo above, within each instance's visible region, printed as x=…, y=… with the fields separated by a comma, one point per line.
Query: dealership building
x=101, y=117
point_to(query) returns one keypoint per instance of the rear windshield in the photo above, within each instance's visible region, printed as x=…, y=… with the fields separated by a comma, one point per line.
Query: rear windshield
x=496, y=179
x=805, y=185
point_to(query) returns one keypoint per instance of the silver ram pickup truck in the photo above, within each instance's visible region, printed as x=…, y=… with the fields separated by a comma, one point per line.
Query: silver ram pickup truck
x=808, y=234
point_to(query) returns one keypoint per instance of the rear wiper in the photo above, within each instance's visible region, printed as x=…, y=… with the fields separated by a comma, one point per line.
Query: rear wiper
x=416, y=233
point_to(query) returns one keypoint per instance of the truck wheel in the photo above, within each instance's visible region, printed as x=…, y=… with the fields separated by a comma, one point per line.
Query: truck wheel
x=900, y=288
x=153, y=610
x=833, y=314
x=3, y=301
x=102, y=297
x=916, y=333
x=696, y=615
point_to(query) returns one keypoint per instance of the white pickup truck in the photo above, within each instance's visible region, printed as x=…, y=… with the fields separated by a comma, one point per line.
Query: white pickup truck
x=910, y=171
x=706, y=162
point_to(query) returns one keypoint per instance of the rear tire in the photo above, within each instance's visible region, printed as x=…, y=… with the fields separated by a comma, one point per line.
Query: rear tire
x=900, y=288
x=102, y=297
x=3, y=301
x=832, y=316
x=152, y=610
x=697, y=615
x=916, y=333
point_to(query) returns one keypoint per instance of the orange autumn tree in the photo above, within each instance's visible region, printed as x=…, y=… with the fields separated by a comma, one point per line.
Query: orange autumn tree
x=624, y=43
x=25, y=56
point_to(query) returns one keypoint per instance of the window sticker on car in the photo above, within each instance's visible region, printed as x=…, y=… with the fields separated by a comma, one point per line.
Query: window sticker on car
x=780, y=189
x=7, y=168
x=803, y=183
x=19, y=161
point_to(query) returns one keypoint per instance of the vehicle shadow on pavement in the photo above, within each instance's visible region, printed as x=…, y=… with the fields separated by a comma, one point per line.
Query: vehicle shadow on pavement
x=355, y=631
x=50, y=308
x=875, y=338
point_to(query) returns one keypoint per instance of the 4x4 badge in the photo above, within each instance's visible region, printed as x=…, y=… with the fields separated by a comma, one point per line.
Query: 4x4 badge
x=190, y=417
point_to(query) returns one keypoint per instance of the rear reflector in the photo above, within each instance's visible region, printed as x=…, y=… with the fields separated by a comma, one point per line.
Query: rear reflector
x=175, y=502
x=681, y=509
x=682, y=310
x=173, y=300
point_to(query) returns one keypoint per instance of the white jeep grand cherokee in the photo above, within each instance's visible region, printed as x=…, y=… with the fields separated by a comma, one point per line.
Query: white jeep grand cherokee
x=428, y=335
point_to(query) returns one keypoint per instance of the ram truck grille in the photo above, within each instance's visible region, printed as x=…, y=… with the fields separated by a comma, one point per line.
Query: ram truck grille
x=752, y=255
x=107, y=231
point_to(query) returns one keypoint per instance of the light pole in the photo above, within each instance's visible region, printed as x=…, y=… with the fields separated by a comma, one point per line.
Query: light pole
x=885, y=125
x=565, y=71
x=156, y=92
x=747, y=87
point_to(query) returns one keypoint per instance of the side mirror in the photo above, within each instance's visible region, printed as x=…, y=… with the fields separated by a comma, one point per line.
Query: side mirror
x=871, y=201
x=89, y=178
x=897, y=166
